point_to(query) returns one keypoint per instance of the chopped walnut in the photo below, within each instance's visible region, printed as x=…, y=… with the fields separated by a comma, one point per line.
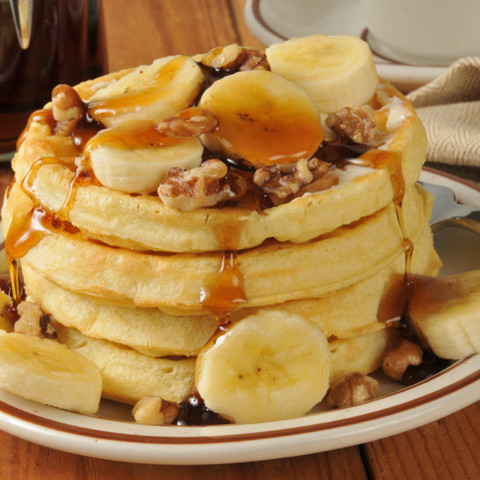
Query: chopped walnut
x=254, y=60
x=191, y=122
x=352, y=389
x=357, y=124
x=399, y=357
x=233, y=58
x=199, y=187
x=33, y=321
x=281, y=185
x=68, y=109
x=155, y=411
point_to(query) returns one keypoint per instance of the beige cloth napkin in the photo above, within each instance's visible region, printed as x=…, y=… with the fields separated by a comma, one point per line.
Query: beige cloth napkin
x=449, y=107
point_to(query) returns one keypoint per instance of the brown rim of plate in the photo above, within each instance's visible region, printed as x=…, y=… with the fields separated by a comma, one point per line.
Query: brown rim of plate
x=250, y=436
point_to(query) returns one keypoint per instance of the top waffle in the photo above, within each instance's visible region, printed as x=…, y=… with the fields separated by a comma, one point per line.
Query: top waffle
x=136, y=174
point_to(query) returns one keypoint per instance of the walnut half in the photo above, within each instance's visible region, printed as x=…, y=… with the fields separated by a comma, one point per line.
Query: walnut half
x=234, y=58
x=356, y=123
x=155, y=411
x=400, y=357
x=199, y=187
x=191, y=122
x=67, y=108
x=352, y=389
x=281, y=185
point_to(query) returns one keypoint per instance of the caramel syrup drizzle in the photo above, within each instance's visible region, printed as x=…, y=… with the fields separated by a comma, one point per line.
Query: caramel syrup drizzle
x=26, y=231
x=227, y=291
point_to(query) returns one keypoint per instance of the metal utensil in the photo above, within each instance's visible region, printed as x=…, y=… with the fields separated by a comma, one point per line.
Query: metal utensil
x=447, y=212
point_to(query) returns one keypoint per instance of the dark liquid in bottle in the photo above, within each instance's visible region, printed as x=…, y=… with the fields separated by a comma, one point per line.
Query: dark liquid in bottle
x=64, y=48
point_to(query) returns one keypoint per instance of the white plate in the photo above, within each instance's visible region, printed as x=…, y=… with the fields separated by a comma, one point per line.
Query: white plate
x=344, y=17
x=110, y=435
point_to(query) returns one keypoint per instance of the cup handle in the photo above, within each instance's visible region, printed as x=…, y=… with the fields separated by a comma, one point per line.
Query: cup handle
x=22, y=12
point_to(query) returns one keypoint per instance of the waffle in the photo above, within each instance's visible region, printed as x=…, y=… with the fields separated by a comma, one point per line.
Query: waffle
x=96, y=210
x=273, y=272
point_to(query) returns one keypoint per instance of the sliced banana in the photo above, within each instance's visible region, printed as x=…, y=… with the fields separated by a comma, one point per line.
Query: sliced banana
x=152, y=92
x=335, y=71
x=262, y=118
x=135, y=157
x=48, y=372
x=269, y=366
x=445, y=312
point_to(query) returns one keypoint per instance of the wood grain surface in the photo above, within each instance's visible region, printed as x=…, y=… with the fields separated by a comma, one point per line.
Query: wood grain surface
x=137, y=32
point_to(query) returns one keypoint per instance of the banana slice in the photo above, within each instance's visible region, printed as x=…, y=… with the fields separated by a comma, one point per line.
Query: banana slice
x=152, y=92
x=48, y=372
x=262, y=118
x=335, y=71
x=445, y=312
x=269, y=366
x=135, y=157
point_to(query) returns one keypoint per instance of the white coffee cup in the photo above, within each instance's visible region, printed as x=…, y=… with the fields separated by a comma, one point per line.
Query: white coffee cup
x=428, y=32
x=293, y=18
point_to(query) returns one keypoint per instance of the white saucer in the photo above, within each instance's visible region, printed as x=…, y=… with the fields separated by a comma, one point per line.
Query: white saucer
x=345, y=18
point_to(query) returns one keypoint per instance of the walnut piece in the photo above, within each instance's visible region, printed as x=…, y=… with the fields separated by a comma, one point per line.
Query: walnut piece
x=356, y=123
x=398, y=358
x=67, y=108
x=282, y=185
x=352, y=389
x=254, y=60
x=233, y=58
x=155, y=411
x=33, y=321
x=191, y=122
x=199, y=187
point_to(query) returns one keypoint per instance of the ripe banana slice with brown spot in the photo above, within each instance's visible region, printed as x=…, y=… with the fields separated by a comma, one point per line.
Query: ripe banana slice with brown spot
x=263, y=119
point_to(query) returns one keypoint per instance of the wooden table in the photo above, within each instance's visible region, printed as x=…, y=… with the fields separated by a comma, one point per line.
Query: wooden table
x=138, y=32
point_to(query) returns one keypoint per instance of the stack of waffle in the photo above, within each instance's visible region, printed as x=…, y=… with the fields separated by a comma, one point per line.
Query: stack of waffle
x=147, y=285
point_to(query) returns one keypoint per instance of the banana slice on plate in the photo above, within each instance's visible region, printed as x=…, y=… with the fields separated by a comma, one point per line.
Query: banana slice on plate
x=48, y=372
x=445, y=312
x=262, y=118
x=335, y=71
x=135, y=157
x=152, y=92
x=269, y=366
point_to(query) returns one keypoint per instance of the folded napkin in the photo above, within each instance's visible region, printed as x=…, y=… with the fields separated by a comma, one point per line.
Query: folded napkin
x=449, y=107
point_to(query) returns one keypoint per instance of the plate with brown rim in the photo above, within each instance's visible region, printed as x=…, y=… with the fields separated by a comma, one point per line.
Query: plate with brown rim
x=112, y=435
